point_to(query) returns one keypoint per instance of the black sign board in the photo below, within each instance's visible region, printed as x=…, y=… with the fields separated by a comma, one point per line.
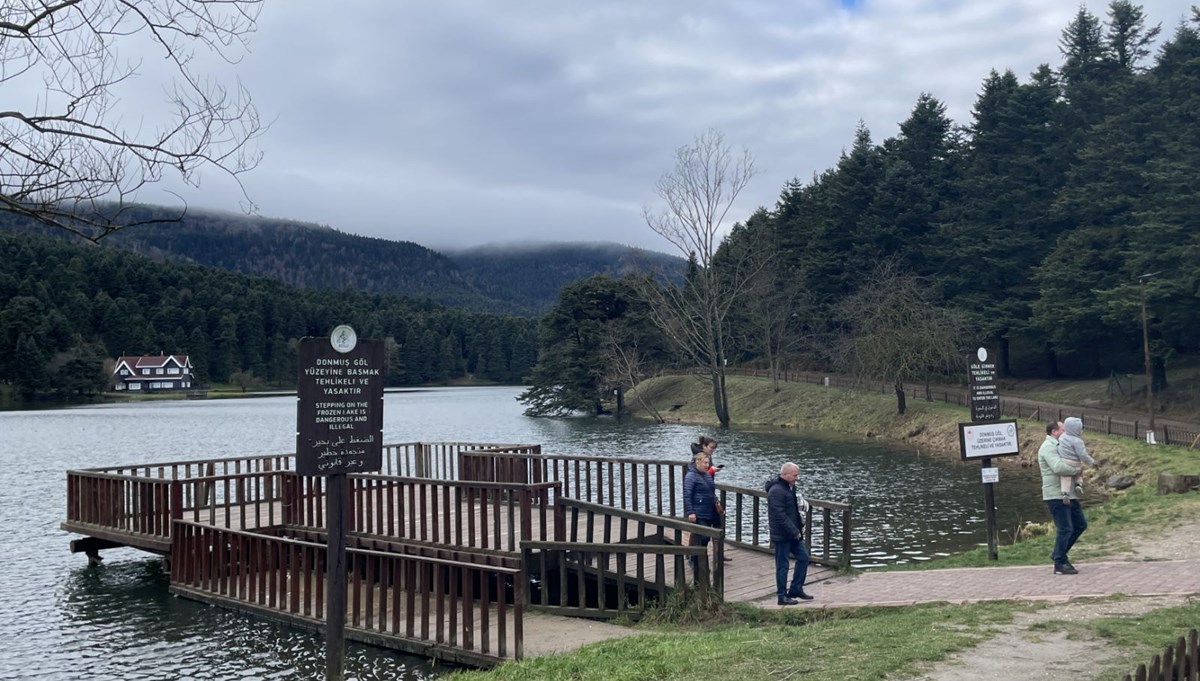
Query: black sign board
x=339, y=414
x=985, y=394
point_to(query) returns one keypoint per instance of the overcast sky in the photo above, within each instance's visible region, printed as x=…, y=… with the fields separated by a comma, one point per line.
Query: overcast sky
x=457, y=123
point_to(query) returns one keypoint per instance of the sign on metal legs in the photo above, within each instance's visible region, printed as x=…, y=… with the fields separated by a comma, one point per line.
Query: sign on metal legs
x=987, y=436
x=339, y=430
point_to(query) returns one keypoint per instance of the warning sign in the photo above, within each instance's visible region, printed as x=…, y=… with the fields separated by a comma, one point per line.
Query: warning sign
x=986, y=440
x=339, y=415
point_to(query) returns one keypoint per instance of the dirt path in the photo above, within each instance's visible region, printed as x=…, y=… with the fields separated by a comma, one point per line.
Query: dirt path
x=1021, y=650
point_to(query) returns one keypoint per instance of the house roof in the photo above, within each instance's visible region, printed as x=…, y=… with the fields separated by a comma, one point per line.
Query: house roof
x=153, y=361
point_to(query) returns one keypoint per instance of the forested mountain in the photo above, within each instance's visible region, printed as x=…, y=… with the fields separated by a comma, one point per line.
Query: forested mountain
x=67, y=308
x=512, y=279
x=537, y=272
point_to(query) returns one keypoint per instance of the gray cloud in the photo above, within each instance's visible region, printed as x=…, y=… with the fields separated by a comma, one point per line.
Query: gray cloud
x=460, y=122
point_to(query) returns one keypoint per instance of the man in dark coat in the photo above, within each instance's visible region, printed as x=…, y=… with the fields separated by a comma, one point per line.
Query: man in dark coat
x=787, y=534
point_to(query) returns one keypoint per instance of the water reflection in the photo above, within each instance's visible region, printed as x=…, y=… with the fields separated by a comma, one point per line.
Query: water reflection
x=65, y=621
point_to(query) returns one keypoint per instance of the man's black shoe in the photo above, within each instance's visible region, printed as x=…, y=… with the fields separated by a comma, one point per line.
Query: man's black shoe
x=804, y=596
x=1065, y=569
x=787, y=600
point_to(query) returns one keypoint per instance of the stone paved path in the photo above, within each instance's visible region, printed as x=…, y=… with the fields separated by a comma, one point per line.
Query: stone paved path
x=1037, y=583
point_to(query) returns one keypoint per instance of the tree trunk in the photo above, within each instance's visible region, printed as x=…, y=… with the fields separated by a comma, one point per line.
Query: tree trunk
x=720, y=397
x=1051, y=363
x=772, y=362
x=1002, y=366
x=900, y=403
x=1158, y=374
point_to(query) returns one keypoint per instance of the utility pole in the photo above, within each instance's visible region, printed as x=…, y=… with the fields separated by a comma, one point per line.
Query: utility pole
x=1146, y=354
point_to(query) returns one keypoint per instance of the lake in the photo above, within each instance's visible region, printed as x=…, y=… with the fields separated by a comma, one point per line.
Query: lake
x=64, y=620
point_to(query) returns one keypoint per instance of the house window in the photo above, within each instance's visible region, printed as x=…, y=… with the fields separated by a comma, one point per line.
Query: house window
x=124, y=372
x=135, y=386
x=158, y=371
x=173, y=370
x=145, y=372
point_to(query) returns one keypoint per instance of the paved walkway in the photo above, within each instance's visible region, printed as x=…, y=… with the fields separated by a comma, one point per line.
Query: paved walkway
x=1032, y=583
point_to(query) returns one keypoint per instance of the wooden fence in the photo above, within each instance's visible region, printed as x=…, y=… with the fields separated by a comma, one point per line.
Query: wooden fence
x=746, y=518
x=467, y=608
x=583, y=522
x=650, y=485
x=1179, y=662
x=483, y=515
x=643, y=485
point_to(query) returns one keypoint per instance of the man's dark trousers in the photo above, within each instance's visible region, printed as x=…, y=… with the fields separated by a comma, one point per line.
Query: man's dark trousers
x=784, y=552
x=1070, y=523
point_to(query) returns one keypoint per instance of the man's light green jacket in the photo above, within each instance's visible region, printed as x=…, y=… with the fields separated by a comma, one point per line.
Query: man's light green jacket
x=1053, y=467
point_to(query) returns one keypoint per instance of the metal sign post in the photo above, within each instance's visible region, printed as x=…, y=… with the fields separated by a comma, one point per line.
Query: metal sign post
x=986, y=436
x=339, y=430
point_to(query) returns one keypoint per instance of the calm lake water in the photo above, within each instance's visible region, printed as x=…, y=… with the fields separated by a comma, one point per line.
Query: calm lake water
x=62, y=620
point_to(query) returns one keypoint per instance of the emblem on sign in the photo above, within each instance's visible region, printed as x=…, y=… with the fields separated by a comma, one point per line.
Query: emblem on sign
x=343, y=339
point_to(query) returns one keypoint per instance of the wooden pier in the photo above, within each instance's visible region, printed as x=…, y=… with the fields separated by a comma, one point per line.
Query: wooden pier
x=460, y=551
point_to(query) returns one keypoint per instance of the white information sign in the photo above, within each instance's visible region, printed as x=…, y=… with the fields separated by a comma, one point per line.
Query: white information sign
x=991, y=474
x=986, y=440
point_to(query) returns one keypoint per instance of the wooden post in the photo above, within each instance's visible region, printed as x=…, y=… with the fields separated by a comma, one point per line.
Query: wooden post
x=335, y=578
x=989, y=502
x=845, y=560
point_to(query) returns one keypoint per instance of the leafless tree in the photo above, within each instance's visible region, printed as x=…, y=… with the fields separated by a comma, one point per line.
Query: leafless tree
x=695, y=314
x=897, y=331
x=626, y=365
x=76, y=144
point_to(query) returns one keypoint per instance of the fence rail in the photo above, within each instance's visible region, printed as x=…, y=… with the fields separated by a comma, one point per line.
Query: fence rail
x=643, y=485
x=428, y=510
x=1178, y=662
x=583, y=522
x=468, y=605
x=746, y=518
x=582, y=574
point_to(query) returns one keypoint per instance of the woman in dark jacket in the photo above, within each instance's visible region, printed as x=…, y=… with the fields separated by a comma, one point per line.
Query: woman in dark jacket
x=700, y=504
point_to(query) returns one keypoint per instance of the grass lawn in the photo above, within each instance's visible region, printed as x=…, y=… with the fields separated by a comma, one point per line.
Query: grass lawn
x=865, y=643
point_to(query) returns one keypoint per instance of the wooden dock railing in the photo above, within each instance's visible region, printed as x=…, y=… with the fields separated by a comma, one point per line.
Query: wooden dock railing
x=644, y=485
x=440, y=459
x=746, y=519
x=587, y=523
x=601, y=580
x=428, y=510
x=650, y=485
x=113, y=506
x=470, y=610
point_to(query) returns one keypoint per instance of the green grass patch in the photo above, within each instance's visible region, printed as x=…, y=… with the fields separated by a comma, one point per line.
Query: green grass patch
x=1141, y=637
x=850, y=644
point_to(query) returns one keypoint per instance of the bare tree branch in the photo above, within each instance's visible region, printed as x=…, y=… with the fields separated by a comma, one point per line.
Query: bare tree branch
x=695, y=315
x=898, y=332
x=73, y=157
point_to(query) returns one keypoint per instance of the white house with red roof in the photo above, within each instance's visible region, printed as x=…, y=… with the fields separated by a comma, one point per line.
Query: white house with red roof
x=153, y=372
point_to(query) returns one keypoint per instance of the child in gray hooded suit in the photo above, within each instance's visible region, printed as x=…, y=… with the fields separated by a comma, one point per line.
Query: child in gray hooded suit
x=1073, y=451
